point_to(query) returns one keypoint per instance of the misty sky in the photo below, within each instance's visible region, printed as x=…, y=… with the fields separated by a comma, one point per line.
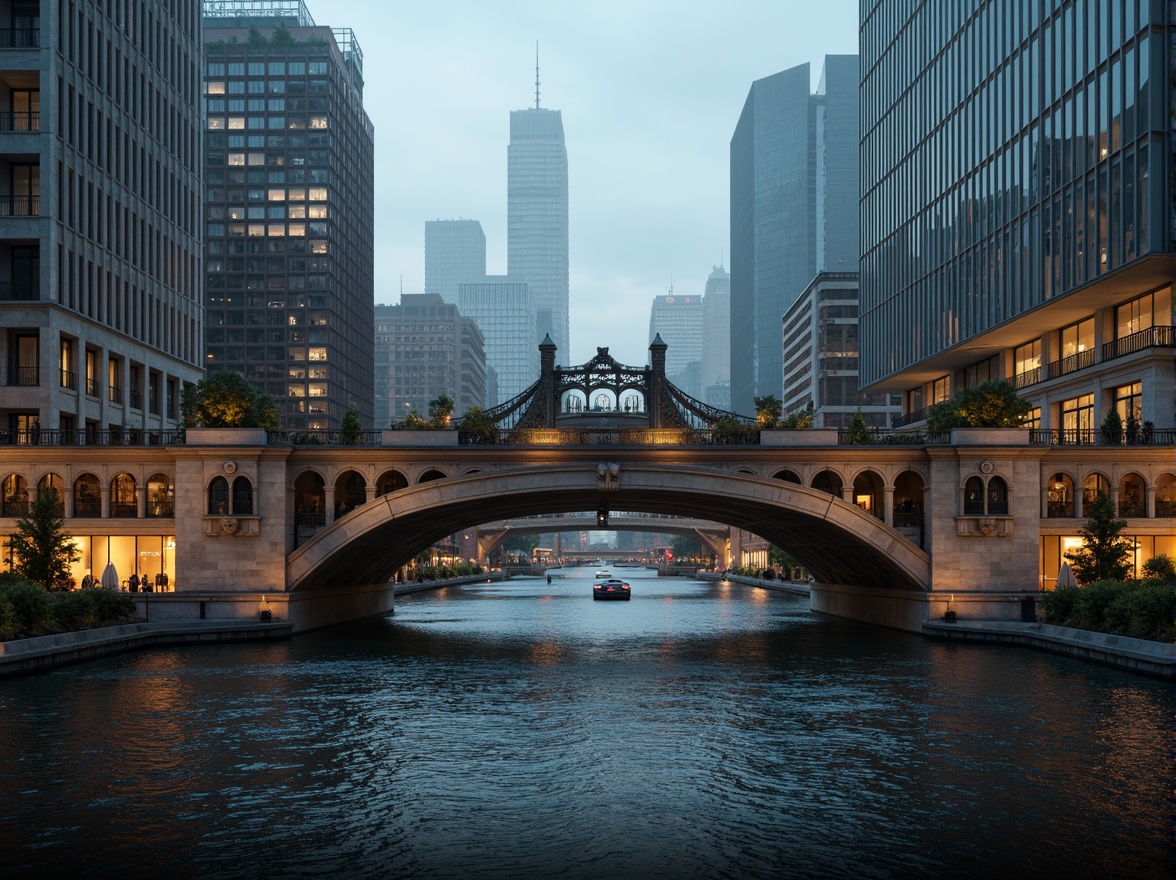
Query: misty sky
x=650, y=92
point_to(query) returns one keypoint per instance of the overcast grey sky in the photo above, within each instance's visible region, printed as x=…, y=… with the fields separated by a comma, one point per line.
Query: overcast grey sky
x=650, y=92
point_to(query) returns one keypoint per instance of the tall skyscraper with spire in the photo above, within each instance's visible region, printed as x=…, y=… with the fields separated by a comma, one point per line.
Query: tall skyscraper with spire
x=537, y=214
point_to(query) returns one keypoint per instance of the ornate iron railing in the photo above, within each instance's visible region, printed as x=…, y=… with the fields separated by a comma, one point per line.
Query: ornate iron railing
x=86, y=437
x=1153, y=337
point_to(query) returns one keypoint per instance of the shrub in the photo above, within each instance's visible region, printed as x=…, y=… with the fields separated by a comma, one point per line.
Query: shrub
x=31, y=612
x=1093, y=600
x=1059, y=604
x=1160, y=568
x=1150, y=609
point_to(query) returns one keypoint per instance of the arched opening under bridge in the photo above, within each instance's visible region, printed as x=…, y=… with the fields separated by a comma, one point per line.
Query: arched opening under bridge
x=837, y=542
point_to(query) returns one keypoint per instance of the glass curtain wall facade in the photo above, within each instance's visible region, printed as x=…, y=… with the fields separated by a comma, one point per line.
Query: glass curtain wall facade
x=537, y=215
x=716, y=349
x=678, y=319
x=455, y=252
x=101, y=322
x=504, y=308
x=794, y=209
x=1017, y=198
x=289, y=208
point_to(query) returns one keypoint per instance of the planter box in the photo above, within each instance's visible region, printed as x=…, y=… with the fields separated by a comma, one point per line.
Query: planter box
x=989, y=436
x=798, y=437
x=418, y=438
x=226, y=437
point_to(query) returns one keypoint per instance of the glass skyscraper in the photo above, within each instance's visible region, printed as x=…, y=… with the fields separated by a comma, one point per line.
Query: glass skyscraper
x=289, y=209
x=794, y=209
x=455, y=252
x=504, y=309
x=1017, y=204
x=537, y=216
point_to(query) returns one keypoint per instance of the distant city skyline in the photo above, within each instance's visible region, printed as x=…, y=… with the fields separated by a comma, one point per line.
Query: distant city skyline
x=647, y=133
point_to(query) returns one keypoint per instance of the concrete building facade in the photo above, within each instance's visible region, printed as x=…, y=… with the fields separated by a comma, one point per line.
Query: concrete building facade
x=424, y=349
x=100, y=229
x=289, y=210
x=821, y=356
x=678, y=319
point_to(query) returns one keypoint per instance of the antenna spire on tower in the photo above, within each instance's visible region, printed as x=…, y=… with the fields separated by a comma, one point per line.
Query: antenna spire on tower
x=536, y=74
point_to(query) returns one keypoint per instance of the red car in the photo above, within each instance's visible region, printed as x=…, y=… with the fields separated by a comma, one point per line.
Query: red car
x=613, y=588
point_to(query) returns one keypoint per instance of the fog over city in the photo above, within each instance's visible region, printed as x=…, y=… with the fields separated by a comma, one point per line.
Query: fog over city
x=650, y=93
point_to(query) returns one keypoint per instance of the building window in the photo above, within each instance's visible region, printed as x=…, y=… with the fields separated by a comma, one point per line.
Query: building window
x=1027, y=363
x=1078, y=416
x=1060, y=496
x=974, y=497
x=1129, y=405
x=1077, y=338
x=69, y=375
x=1134, y=316
x=941, y=390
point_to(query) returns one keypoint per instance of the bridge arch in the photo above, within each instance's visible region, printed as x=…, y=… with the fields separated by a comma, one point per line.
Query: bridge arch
x=430, y=475
x=838, y=542
x=390, y=480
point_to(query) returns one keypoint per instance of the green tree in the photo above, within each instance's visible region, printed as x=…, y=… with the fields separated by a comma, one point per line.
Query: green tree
x=992, y=403
x=43, y=551
x=351, y=431
x=768, y=410
x=857, y=433
x=478, y=426
x=1104, y=552
x=1161, y=567
x=522, y=544
x=281, y=36
x=225, y=399
x=802, y=418
x=441, y=411
x=685, y=548
x=1112, y=428
x=256, y=37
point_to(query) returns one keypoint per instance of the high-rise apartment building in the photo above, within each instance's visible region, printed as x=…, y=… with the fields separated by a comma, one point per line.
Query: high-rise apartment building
x=794, y=209
x=455, y=252
x=679, y=321
x=821, y=356
x=100, y=228
x=424, y=349
x=504, y=308
x=289, y=208
x=1017, y=206
x=716, y=339
x=537, y=215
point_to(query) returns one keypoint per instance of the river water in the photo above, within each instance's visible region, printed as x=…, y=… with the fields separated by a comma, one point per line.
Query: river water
x=520, y=730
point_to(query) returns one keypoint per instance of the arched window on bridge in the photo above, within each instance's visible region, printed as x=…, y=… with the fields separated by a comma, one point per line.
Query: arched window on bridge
x=787, y=476
x=218, y=497
x=1132, y=496
x=310, y=500
x=1059, y=496
x=868, y=493
x=87, y=496
x=974, y=497
x=1166, y=495
x=430, y=475
x=829, y=482
x=390, y=481
x=161, y=496
x=1093, y=486
x=14, y=496
x=908, y=500
x=54, y=482
x=350, y=492
x=123, y=497
x=242, y=496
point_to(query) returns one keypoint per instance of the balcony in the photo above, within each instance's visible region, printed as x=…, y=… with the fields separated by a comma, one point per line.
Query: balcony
x=20, y=120
x=91, y=386
x=1070, y=364
x=901, y=421
x=136, y=400
x=19, y=291
x=69, y=379
x=115, y=393
x=1029, y=377
x=1152, y=337
x=20, y=206
x=20, y=38
x=24, y=376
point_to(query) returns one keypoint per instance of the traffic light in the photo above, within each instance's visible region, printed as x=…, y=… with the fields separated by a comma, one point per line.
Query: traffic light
x=602, y=518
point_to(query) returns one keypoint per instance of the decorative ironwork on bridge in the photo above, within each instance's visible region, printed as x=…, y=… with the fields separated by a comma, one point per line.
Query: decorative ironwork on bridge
x=607, y=400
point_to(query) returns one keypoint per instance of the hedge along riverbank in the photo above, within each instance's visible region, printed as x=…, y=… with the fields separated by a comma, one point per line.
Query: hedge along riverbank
x=1140, y=609
x=27, y=610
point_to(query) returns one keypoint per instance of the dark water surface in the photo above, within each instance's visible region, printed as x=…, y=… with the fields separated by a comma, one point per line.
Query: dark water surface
x=518, y=730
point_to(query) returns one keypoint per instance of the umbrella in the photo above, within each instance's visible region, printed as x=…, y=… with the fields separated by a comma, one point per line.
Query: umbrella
x=110, y=577
x=1065, y=576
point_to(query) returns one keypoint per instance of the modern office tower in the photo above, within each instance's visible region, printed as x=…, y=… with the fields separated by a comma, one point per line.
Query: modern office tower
x=455, y=252
x=537, y=215
x=794, y=209
x=504, y=308
x=679, y=321
x=1016, y=206
x=821, y=356
x=289, y=208
x=424, y=349
x=100, y=249
x=716, y=340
